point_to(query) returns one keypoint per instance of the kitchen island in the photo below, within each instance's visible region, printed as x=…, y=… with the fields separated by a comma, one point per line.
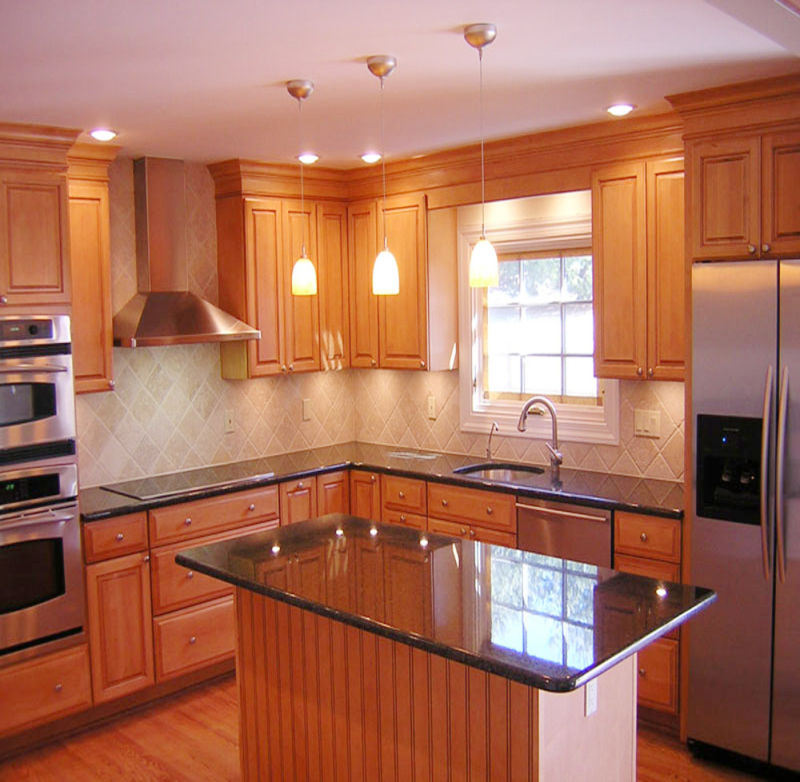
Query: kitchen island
x=371, y=651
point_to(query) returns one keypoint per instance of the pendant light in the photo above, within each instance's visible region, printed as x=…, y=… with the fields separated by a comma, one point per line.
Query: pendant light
x=483, y=269
x=304, y=276
x=385, y=274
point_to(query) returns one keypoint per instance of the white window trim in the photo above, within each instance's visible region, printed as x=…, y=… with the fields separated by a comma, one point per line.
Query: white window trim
x=576, y=423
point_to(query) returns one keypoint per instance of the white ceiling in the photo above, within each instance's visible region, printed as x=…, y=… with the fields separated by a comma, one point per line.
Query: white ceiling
x=204, y=79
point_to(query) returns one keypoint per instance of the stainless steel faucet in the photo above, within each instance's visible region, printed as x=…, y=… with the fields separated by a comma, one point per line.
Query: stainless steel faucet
x=492, y=429
x=556, y=457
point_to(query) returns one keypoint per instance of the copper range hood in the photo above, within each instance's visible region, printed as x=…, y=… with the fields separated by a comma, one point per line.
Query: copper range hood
x=164, y=312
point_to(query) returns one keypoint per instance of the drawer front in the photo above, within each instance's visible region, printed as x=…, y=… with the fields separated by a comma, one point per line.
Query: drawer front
x=191, y=519
x=114, y=537
x=472, y=532
x=658, y=675
x=176, y=587
x=652, y=568
x=473, y=506
x=647, y=536
x=406, y=519
x=404, y=494
x=194, y=637
x=45, y=688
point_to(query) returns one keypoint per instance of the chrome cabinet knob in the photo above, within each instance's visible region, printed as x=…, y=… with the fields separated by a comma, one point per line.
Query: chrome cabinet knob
x=58, y=687
x=650, y=372
x=188, y=521
x=283, y=367
x=299, y=484
x=373, y=362
x=751, y=248
x=642, y=672
x=639, y=371
x=490, y=510
x=643, y=537
x=120, y=536
x=190, y=574
x=146, y=558
x=3, y=299
x=463, y=531
x=112, y=385
x=193, y=639
x=401, y=495
x=422, y=363
x=402, y=517
x=251, y=506
x=765, y=248
x=444, y=503
x=291, y=367
x=471, y=532
x=372, y=478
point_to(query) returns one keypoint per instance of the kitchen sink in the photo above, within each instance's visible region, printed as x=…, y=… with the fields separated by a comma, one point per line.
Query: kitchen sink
x=498, y=471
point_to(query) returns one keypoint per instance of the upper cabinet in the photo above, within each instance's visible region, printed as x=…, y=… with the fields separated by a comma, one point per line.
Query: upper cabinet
x=639, y=270
x=91, y=266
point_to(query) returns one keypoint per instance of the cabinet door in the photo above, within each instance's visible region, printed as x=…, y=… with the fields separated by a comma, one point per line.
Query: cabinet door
x=780, y=195
x=301, y=313
x=120, y=626
x=362, y=246
x=263, y=247
x=403, y=319
x=619, y=271
x=724, y=198
x=91, y=286
x=666, y=271
x=365, y=495
x=34, y=238
x=333, y=493
x=298, y=500
x=334, y=317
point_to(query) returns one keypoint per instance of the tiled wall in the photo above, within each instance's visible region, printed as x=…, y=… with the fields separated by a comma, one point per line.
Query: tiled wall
x=168, y=409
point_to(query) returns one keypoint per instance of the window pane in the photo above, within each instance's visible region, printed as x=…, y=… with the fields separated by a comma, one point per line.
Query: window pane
x=507, y=627
x=578, y=328
x=541, y=330
x=542, y=375
x=507, y=289
x=544, y=638
x=578, y=278
x=504, y=330
x=504, y=373
x=542, y=279
x=580, y=377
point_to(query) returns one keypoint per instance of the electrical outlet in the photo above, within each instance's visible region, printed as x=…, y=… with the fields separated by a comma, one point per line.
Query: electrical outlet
x=306, y=409
x=431, y=407
x=647, y=423
x=229, y=422
x=590, y=698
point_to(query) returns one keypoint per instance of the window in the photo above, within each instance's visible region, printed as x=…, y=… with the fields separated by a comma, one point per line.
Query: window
x=534, y=332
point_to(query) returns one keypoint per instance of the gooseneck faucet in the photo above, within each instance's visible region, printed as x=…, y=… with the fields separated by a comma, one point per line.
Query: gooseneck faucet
x=556, y=457
x=492, y=429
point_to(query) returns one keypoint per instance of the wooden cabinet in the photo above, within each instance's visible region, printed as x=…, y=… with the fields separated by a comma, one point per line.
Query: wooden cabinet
x=34, y=238
x=333, y=492
x=44, y=688
x=298, y=500
x=743, y=198
x=651, y=546
x=115, y=537
x=365, y=495
x=468, y=531
x=404, y=501
x=120, y=625
x=638, y=271
x=90, y=263
x=332, y=283
x=474, y=514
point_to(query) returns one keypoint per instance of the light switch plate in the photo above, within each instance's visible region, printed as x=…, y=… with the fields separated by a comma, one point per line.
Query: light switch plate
x=590, y=698
x=432, y=407
x=228, y=422
x=306, y=409
x=647, y=423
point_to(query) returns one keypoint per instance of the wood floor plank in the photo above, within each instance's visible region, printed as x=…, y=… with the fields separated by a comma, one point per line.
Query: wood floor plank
x=193, y=737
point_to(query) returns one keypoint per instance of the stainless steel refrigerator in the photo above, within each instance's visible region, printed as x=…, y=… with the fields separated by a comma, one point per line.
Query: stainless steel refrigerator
x=744, y=675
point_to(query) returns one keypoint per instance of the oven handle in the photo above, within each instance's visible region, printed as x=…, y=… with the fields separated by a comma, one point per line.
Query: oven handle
x=22, y=520
x=9, y=369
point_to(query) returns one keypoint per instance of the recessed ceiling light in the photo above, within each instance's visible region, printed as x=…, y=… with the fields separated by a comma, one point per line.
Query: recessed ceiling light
x=308, y=158
x=371, y=157
x=620, y=109
x=103, y=134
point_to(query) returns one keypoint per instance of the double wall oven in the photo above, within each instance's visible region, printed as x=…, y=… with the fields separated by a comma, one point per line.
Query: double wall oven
x=41, y=583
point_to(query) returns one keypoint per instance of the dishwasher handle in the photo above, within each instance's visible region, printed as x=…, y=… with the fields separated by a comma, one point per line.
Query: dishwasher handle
x=600, y=519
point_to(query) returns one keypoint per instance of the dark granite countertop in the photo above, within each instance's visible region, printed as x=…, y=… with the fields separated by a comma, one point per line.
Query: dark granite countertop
x=546, y=622
x=663, y=498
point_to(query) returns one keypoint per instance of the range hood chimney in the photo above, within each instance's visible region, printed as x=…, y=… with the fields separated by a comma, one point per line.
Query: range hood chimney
x=163, y=312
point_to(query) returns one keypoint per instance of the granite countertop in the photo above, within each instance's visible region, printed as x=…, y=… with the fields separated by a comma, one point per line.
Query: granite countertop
x=550, y=623
x=664, y=498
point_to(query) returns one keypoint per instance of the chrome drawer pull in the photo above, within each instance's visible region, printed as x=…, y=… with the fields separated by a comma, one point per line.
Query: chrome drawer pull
x=190, y=574
x=569, y=513
x=120, y=536
x=252, y=506
x=193, y=639
x=187, y=521
x=643, y=537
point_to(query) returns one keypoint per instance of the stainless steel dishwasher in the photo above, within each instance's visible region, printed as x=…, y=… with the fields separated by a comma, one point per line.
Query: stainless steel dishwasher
x=565, y=531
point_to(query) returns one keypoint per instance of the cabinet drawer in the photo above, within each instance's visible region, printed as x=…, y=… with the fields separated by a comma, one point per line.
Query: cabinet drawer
x=115, y=537
x=473, y=506
x=191, y=519
x=658, y=675
x=468, y=532
x=176, y=587
x=647, y=536
x=45, y=688
x=406, y=519
x=652, y=568
x=194, y=637
x=403, y=494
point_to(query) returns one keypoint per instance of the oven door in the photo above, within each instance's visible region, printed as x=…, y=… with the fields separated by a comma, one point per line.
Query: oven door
x=41, y=589
x=36, y=401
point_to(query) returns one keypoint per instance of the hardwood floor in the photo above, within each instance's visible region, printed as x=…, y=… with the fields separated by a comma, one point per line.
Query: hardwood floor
x=193, y=737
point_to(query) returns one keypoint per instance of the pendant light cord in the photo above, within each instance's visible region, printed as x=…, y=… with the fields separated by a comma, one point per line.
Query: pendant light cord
x=383, y=172
x=302, y=193
x=483, y=174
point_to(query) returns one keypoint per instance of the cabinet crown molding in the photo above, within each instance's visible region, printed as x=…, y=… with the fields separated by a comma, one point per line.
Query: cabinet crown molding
x=35, y=146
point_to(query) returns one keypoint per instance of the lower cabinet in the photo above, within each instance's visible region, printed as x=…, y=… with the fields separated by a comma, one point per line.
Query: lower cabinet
x=365, y=495
x=474, y=514
x=333, y=492
x=45, y=688
x=298, y=501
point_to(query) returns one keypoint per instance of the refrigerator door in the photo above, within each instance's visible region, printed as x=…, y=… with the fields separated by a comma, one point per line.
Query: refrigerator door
x=785, y=749
x=730, y=645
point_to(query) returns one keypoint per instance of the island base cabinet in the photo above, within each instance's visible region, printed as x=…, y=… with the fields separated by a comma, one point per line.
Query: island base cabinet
x=320, y=699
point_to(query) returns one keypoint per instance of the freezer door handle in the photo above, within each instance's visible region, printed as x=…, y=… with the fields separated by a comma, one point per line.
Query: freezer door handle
x=780, y=468
x=765, y=431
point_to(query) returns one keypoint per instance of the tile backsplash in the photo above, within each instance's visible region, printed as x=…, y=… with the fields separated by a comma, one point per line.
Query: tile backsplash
x=170, y=404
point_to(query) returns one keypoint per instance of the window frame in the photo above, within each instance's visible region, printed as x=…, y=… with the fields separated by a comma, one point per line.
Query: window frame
x=519, y=233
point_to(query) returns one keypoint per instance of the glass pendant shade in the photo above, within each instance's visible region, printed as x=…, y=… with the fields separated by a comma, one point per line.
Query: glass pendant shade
x=385, y=275
x=483, y=269
x=304, y=277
